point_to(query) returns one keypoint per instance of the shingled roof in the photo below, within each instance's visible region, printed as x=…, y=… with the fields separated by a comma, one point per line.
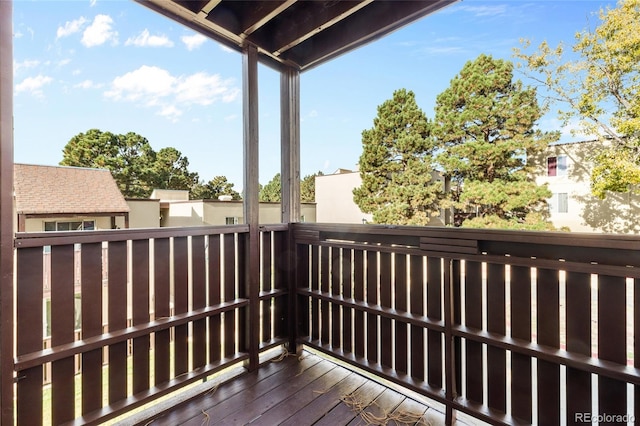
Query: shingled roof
x=74, y=190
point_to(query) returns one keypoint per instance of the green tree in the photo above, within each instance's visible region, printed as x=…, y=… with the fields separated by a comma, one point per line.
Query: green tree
x=308, y=188
x=485, y=130
x=600, y=89
x=213, y=189
x=129, y=157
x=396, y=167
x=171, y=170
x=271, y=192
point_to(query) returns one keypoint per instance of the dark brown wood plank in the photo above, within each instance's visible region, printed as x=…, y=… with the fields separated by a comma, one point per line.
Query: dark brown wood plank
x=409, y=412
x=521, y=389
x=496, y=323
x=229, y=282
x=636, y=342
x=416, y=301
x=347, y=314
x=400, y=287
x=612, y=394
x=380, y=407
x=281, y=270
x=342, y=413
x=386, y=337
x=215, y=296
x=358, y=295
x=473, y=318
x=266, y=285
x=336, y=275
x=199, y=290
x=140, y=310
x=302, y=309
x=325, y=279
x=548, y=319
x=372, y=299
x=223, y=412
x=578, y=299
x=161, y=274
x=315, y=285
x=325, y=402
x=91, y=311
x=195, y=407
x=62, y=331
x=300, y=399
x=181, y=304
x=117, y=290
x=29, y=295
x=434, y=311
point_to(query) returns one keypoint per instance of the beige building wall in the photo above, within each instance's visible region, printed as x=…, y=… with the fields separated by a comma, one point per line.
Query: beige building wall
x=144, y=213
x=617, y=213
x=334, y=199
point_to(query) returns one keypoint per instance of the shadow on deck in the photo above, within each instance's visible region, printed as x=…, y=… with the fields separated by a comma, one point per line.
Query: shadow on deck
x=300, y=391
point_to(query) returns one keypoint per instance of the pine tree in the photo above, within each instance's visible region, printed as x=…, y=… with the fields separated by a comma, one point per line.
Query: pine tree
x=396, y=167
x=485, y=131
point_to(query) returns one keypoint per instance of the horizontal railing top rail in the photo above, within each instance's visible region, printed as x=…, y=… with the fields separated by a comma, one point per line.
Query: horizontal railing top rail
x=580, y=252
x=36, y=239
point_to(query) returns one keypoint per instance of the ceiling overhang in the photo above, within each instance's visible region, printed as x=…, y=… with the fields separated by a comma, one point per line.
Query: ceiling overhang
x=295, y=33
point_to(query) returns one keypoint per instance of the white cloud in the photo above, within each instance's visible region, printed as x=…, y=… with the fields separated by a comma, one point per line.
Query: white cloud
x=33, y=85
x=152, y=86
x=92, y=3
x=87, y=84
x=63, y=62
x=231, y=117
x=26, y=64
x=76, y=72
x=313, y=113
x=71, y=27
x=193, y=41
x=17, y=34
x=489, y=10
x=99, y=32
x=145, y=39
x=226, y=49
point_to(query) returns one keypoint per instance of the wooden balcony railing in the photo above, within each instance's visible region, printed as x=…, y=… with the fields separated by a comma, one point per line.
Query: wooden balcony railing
x=508, y=327
x=121, y=318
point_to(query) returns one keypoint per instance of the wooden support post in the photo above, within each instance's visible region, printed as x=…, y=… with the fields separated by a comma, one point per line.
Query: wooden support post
x=251, y=207
x=290, y=144
x=6, y=213
x=450, y=362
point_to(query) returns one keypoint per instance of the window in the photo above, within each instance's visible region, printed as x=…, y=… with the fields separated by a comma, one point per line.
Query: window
x=87, y=225
x=231, y=220
x=557, y=166
x=559, y=203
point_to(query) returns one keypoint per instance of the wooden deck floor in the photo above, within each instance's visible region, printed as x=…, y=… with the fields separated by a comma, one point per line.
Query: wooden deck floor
x=307, y=391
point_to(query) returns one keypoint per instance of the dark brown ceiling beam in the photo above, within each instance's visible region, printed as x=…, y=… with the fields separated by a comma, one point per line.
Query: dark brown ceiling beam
x=265, y=18
x=322, y=27
x=383, y=15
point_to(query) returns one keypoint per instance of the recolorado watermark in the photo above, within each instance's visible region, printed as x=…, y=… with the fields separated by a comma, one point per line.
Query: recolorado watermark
x=604, y=418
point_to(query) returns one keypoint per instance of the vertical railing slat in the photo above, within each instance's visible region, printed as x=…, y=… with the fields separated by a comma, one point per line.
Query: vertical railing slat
x=386, y=342
x=162, y=309
x=358, y=295
x=199, y=277
x=400, y=282
x=229, y=253
x=281, y=268
x=181, y=304
x=347, y=313
x=315, y=285
x=336, y=324
x=215, y=297
x=434, y=312
x=521, y=389
x=578, y=299
x=62, y=331
x=612, y=302
x=416, y=306
x=496, y=323
x=117, y=294
x=325, y=278
x=29, y=296
x=266, y=285
x=473, y=319
x=91, y=311
x=140, y=310
x=372, y=299
x=302, y=308
x=548, y=320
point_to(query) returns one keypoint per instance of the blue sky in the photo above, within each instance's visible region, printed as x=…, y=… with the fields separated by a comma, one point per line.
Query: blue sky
x=119, y=67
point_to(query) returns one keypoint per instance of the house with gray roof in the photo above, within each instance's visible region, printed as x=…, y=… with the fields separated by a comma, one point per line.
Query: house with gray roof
x=57, y=198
